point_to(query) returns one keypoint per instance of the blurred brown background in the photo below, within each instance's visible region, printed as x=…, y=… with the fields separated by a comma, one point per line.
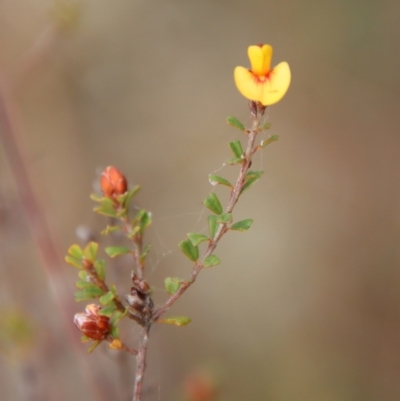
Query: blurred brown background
x=306, y=305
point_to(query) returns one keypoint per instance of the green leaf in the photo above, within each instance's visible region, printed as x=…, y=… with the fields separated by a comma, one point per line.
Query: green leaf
x=191, y=252
x=106, y=211
x=143, y=217
x=108, y=310
x=145, y=252
x=73, y=262
x=113, y=251
x=110, y=229
x=212, y=202
x=265, y=126
x=88, y=293
x=211, y=260
x=215, y=179
x=93, y=347
x=177, y=320
x=83, y=284
x=125, y=198
x=117, y=316
x=225, y=218
x=212, y=225
x=96, y=198
x=83, y=275
x=133, y=232
x=114, y=332
x=236, y=148
x=242, y=225
x=113, y=289
x=100, y=267
x=90, y=251
x=196, y=238
x=106, y=207
x=251, y=178
x=75, y=251
x=234, y=160
x=271, y=139
x=106, y=298
x=235, y=123
x=172, y=285
x=85, y=339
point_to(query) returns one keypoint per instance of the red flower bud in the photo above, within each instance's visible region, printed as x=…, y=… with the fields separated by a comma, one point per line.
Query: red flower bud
x=112, y=182
x=93, y=325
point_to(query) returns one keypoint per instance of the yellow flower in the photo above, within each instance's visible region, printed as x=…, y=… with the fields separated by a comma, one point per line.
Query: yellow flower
x=261, y=83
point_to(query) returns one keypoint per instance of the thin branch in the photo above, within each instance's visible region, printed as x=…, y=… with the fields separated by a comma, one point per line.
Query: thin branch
x=222, y=229
x=141, y=363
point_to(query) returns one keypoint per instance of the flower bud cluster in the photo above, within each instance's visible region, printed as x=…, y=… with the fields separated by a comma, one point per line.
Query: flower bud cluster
x=112, y=182
x=91, y=324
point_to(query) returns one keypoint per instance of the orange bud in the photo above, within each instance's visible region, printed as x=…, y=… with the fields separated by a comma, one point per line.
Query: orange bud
x=112, y=182
x=93, y=325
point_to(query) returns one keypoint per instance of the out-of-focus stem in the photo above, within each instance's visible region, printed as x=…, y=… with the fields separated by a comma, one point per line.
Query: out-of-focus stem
x=41, y=233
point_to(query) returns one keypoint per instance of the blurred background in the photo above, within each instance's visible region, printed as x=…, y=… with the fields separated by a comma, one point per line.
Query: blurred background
x=306, y=305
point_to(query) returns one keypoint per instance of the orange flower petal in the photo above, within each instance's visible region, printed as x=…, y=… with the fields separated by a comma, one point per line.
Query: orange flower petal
x=260, y=59
x=277, y=84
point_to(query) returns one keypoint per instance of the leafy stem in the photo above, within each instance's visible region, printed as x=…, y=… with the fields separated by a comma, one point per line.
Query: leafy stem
x=223, y=227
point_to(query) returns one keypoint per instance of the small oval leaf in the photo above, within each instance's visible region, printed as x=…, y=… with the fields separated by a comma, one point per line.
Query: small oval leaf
x=113, y=251
x=234, y=160
x=271, y=139
x=110, y=229
x=211, y=260
x=265, y=126
x=236, y=147
x=212, y=225
x=83, y=284
x=93, y=347
x=90, y=251
x=212, y=202
x=106, y=298
x=225, y=218
x=127, y=196
x=108, y=310
x=251, y=178
x=106, y=207
x=196, y=238
x=235, y=123
x=177, y=320
x=114, y=332
x=100, y=267
x=83, y=275
x=75, y=251
x=216, y=179
x=73, y=262
x=172, y=285
x=242, y=225
x=192, y=252
x=88, y=293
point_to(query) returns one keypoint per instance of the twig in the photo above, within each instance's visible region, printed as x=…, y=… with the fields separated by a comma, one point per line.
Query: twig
x=222, y=229
x=141, y=363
